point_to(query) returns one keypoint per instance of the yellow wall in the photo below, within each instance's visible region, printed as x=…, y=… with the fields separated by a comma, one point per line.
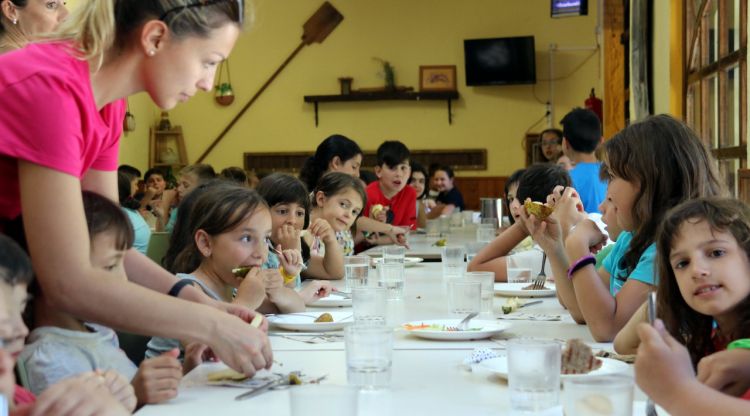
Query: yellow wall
x=408, y=34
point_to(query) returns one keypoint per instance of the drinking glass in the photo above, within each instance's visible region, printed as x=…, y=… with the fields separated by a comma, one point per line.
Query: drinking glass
x=464, y=296
x=369, y=352
x=445, y=225
x=369, y=304
x=356, y=270
x=456, y=220
x=518, y=269
x=392, y=279
x=472, y=249
x=597, y=395
x=490, y=222
x=533, y=374
x=468, y=217
x=394, y=254
x=487, y=282
x=432, y=228
x=452, y=258
x=485, y=233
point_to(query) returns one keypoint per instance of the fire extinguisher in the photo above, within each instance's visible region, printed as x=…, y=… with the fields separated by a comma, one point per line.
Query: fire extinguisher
x=594, y=104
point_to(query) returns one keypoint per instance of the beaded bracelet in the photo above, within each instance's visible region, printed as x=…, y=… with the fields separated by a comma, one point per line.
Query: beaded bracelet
x=581, y=263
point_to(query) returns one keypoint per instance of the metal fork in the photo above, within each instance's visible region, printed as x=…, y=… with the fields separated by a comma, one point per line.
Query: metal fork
x=464, y=324
x=541, y=278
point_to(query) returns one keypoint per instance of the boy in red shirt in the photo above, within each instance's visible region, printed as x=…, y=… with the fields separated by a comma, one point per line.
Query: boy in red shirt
x=389, y=199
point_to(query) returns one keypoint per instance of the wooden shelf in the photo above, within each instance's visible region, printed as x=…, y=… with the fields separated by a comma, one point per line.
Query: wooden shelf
x=447, y=96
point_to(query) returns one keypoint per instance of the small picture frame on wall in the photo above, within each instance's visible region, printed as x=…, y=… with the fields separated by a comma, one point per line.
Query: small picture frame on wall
x=437, y=78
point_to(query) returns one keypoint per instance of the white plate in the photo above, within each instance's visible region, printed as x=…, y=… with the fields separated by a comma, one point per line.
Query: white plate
x=332, y=301
x=516, y=289
x=499, y=366
x=304, y=321
x=639, y=409
x=408, y=261
x=486, y=329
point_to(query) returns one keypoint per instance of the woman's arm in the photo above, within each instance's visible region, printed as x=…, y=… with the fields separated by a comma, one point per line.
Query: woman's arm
x=58, y=241
x=492, y=258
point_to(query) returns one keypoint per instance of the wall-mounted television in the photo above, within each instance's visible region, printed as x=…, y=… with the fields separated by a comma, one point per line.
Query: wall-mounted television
x=500, y=61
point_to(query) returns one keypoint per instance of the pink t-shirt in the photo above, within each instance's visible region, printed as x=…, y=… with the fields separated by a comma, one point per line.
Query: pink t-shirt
x=48, y=116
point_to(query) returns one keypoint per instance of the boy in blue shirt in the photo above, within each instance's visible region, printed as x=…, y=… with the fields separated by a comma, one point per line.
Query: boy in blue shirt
x=582, y=134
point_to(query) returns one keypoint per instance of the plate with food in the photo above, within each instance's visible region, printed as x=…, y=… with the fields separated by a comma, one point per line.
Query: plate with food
x=524, y=290
x=577, y=360
x=334, y=300
x=312, y=321
x=447, y=329
x=408, y=261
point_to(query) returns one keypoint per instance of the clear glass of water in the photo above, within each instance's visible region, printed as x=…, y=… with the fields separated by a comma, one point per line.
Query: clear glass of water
x=369, y=354
x=432, y=228
x=394, y=254
x=472, y=249
x=445, y=225
x=457, y=220
x=464, y=296
x=356, y=270
x=485, y=233
x=452, y=258
x=487, y=282
x=533, y=374
x=490, y=222
x=598, y=395
x=369, y=304
x=518, y=269
x=392, y=279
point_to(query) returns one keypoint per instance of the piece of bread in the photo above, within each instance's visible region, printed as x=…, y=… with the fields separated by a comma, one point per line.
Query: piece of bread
x=325, y=317
x=538, y=209
x=226, y=375
x=376, y=209
x=577, y=358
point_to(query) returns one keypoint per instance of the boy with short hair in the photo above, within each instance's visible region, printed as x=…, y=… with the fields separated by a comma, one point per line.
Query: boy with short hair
x=582, y=134
x=62, y=346
x=388, y=198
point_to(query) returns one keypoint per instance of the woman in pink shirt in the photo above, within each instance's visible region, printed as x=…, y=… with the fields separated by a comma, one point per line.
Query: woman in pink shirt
x=60, y=124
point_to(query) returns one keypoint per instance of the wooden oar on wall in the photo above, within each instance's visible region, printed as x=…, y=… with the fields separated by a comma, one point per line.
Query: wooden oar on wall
x=316, y=29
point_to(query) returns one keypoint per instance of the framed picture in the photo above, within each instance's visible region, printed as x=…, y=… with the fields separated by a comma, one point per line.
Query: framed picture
x=437, y=78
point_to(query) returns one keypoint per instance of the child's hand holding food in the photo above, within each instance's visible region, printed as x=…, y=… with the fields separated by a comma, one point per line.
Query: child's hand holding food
x=158, y=378
x=315, y=290
x=379, y=213
x=290, y=260
x=320, y=228
x=251, y=290
x=288, y=237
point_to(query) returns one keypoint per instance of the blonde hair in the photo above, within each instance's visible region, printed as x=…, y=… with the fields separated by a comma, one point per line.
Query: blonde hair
x=97, y=26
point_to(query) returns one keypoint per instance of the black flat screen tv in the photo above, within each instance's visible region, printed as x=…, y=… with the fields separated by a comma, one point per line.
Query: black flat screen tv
x=500, y=61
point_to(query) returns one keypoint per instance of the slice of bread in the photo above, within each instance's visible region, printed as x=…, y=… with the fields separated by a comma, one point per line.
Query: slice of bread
x=538, y=209
x=577, y=358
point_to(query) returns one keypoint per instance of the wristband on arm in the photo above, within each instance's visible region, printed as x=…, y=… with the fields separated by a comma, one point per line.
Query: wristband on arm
x=175, y=290
x=581, y=263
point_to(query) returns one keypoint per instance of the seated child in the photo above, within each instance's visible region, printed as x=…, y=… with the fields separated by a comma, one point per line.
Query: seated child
x=338, y=198
x=222, y=227
x=90, y=390
x=61, y=346
x=396, y=201
x=190, y=177
x=290, y=215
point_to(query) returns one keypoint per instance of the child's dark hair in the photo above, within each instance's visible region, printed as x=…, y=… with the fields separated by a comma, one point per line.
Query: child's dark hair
x=333, y=183
x=131, y=171
x=155, y=171
x=417, y=167
x=123, y=190
x=215, y=209
x=669, y=164
x=582, y=129
x=556, y=132
x=15, y=266
x=689, y=327
x=538, y=181
x=334, y=146
x=103, y=215
x=514, y=178
x=392, y=153
x=445, y=168
x=282, y=188
x=367, y=176
x=201, y=171
x=234, y=174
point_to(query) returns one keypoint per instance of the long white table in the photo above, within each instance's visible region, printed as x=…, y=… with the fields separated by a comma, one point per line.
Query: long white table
x=420, y=245
x=428, y=376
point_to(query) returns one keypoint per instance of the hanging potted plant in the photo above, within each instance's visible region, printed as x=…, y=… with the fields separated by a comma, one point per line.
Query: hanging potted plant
x=224, y=94
x=128, y=124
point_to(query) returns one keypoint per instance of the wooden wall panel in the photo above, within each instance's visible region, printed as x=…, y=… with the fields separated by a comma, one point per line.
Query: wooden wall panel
x=614, y=68
x=475, y=187
x=743, y=187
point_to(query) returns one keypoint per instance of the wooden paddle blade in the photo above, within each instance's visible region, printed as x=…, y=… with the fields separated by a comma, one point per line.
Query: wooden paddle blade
x=321, y=24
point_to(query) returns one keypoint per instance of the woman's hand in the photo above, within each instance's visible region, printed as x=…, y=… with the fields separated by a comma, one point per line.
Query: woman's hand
x=315, y=290
x=322, y=229
x=290, y=260
x=196, y=354
x=288, y=237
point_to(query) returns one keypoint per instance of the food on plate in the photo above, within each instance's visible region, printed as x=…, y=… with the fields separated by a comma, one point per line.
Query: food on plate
x=240, y=271
x=376, y=209
x=226, y=375
x=512, y=305
x=436, y=327
x=531, y=287
x=442, y=242
x=325, y=317
x=577, y=358
x=538, y=209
